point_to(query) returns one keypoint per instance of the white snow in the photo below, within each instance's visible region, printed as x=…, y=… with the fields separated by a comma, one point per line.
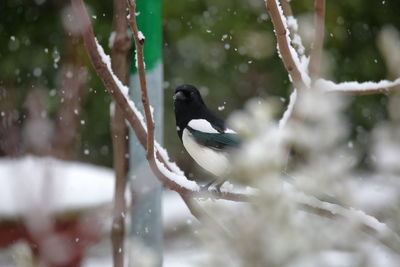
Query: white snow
x=177, y=178
x=293, y=25
x=141, y=36
x=58, y=186
x=350, y=213
x=124, y=89
x=136, y=61
x=354, y=86
x=289, y=110
x=299, y=63
x=228, y=187
x=106, y=59
x=164, y=154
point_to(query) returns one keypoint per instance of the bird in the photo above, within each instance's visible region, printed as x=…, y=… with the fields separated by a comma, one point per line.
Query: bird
x=204, y=134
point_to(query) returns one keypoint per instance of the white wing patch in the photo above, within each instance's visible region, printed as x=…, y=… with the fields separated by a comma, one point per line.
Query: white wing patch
x=204, y=126
x=227, y=130
x=215, y=162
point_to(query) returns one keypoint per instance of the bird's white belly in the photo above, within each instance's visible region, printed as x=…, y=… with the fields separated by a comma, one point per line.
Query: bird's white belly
x=215, y=162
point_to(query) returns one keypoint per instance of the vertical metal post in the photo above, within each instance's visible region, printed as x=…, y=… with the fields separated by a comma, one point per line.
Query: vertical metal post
x=146, y=189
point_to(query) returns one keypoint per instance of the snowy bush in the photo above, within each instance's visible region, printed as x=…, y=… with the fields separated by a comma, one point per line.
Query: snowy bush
x=278, y=229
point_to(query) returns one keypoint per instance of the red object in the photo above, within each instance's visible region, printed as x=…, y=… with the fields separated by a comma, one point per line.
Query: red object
x=63, y=245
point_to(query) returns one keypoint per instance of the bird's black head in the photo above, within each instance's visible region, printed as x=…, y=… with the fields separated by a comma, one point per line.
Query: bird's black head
x=189, y=105
x=187, y=96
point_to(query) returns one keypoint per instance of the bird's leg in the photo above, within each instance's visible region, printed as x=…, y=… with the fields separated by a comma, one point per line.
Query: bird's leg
x=207, y=186
x=218, y=186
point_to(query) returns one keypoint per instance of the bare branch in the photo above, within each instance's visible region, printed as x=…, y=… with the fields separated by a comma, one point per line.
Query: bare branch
x=289, y=57
x=119, y=132
x=139, y=42
x=119, y=54
x=317, y=46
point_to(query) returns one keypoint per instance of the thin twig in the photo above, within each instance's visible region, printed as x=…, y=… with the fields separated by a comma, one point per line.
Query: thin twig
x=139, y=42
x=284, y=44
x=318, y=43
x=119, y=57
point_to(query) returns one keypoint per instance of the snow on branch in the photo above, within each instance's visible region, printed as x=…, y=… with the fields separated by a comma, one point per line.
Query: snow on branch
x=369, y=224
x=289, y=110
x=357, y=88
x=297, y=72
x=293, y=27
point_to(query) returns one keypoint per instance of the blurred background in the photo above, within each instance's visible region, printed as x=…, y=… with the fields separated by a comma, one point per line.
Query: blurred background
x=226, y=48
x=52, y=102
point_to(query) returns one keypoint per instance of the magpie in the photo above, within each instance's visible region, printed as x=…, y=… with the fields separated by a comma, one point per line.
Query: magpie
x=203, y=134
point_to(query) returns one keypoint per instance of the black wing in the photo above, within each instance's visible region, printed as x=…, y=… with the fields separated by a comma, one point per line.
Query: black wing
x=216, y=140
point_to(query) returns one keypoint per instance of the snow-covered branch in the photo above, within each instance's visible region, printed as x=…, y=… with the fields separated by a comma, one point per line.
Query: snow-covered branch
x=297, y=73
x=357, y=88
x=369, y=224
x=293, y=27
x=289, y=110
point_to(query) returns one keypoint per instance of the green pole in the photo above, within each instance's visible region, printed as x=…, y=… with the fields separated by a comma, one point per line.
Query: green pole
x=146, y=189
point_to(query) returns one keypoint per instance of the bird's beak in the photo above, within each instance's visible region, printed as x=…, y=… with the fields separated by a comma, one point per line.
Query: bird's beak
x=179, y=96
